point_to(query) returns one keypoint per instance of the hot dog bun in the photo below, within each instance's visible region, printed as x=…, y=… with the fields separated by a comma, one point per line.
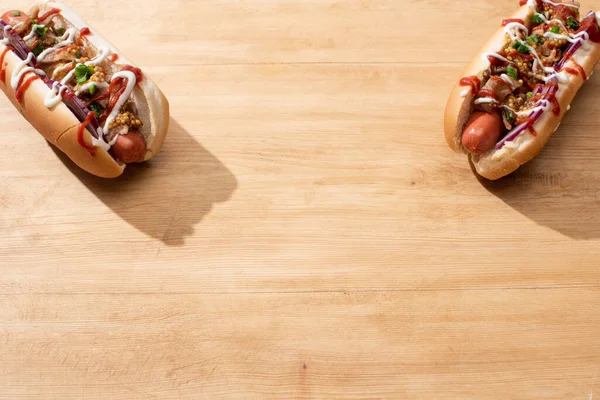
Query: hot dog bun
x=59, y=126
x=458, y=108
x=497, y=163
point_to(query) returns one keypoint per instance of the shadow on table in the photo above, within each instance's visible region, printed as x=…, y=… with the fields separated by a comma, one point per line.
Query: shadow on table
x=555, y=189
x=168, y=195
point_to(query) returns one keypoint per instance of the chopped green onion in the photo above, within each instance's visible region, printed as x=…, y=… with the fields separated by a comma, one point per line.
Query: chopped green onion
x=534, y=39
x=529, y=95
x=572, y=23
x=41, y=31
x=509, y=115
x=520, y=47
x=512, y=72
x=92, y=89
x=555, y=29
x=95, y=108
x=60, y=31
x=83, y=73
x=78, y=54
x=537, y=19
x=17, y=14
x=37, y=50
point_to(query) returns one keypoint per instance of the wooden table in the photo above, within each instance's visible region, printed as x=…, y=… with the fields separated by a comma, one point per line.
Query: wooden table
x=305, y=233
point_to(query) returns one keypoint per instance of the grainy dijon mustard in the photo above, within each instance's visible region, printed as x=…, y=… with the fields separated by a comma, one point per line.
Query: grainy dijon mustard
x=126, y=118
x=98, y=75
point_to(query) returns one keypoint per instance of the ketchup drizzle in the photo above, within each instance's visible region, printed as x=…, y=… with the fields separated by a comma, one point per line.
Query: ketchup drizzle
x=82, y=143
x=85, y=31
x=2, y=67
x=570, y=70
x=487, y=93
x=50, y=12
x=510, y=20
x=22, y=88
x=471, y=81
x=579, y=68
x=139, y=74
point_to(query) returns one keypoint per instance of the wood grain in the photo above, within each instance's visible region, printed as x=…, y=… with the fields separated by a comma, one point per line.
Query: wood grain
x=305, y=233
x=485, y=344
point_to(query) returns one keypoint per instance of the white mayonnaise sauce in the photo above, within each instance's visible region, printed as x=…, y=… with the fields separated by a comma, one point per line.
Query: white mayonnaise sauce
x=557, y=4
x=464, y=93
x=531, y=4
x=485, y=100
x=507, y=79
x=65, y=40
x=540, y=105
x=100, y=58
x=580, y=37
x=20, y=70
x=131, y=81
x=53, y=98
x=496, y=55
x=513, y=29
x=32, y=33
x=87, y=86
x=7, y=29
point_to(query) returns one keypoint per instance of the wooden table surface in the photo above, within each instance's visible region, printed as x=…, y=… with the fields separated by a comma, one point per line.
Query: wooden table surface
x=305, y=233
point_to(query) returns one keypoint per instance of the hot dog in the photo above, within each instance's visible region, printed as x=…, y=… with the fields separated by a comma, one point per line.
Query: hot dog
x=511, y=98
x=78, y=91
x=482, y=131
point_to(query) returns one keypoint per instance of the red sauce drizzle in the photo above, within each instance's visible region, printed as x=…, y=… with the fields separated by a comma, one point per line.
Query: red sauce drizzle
x=501, y=81
x=47, y=14
x=552, y=98
x=113, y=57
x=579, y=68
x=555, y=105
x=20, y=80
x=548, y=97
x=530, y=123
x=99, y=97
x=510, y=20
x=570, y=70
x=591, y=27
x=62, y=50
x=495, y=61
x=539, y=3
x=22, y=88
x=83, y=33
x=115, y=93
x=471, y=81
x=2, y=68
x=114, y=98
x=487, y=93
x=82, y=143
x=68, y=69
x=139, y=75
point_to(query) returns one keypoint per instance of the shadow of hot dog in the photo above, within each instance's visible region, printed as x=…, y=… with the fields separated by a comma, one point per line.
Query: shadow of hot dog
x=560, y=188
x=168, y=195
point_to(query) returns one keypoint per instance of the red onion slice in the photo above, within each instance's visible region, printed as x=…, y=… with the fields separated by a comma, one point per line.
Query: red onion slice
x=15, y=41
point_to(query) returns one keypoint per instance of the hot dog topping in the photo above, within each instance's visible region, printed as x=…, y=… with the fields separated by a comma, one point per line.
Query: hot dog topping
x=87, y=82
x=522, y=79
